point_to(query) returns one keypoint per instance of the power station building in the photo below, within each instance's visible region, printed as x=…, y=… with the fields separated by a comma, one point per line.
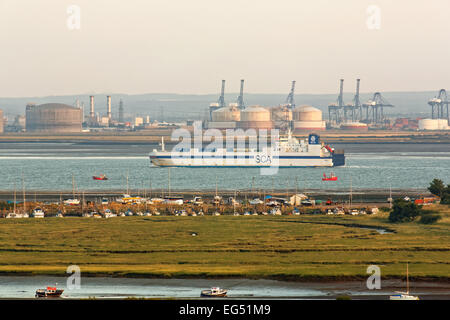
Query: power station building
x=53, y=118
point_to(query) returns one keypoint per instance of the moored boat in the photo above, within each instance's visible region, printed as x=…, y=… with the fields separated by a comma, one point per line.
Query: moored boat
x=404, y=295
x=100, y=177
x=331, y=177
x=214, y=292
x=49, y=292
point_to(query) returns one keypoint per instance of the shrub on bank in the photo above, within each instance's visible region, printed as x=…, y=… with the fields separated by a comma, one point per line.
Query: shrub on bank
x=430, y=218
x=404, y=211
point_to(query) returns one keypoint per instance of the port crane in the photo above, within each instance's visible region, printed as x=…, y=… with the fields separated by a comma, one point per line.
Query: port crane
x=290, y=103
x=335, y=109
x=376, y=105
x=439, y=106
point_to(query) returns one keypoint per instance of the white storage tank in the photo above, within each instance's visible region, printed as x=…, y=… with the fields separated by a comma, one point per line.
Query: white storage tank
x=307, y=118
x=256, y=117
x=433, y=124
x=226, y=114
x=307, y=113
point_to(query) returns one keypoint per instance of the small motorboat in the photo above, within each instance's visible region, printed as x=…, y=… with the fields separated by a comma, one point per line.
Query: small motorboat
x=214, y=292
x=49, y=292
x=332, y=177
x=100, y=177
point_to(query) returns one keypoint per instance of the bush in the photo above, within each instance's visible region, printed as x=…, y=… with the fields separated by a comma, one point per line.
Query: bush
x=429, y=218
x=437, y=187
x=404, y=211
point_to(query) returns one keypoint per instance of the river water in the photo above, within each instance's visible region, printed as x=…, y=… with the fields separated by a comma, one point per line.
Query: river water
x=106, y=288
x=50, y=166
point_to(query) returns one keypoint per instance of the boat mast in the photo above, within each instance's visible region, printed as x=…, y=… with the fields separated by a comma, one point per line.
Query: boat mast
x=73, y=187
x=351, y=195
x=407, y=279
x=168, y=177
x=14, y=197
x=127, y=183
x=23, y=189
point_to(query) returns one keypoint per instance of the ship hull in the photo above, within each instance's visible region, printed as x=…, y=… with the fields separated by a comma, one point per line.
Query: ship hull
x=161, y=159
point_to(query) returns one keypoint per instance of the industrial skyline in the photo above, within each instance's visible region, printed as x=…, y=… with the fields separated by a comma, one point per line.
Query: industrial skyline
x=119, y=48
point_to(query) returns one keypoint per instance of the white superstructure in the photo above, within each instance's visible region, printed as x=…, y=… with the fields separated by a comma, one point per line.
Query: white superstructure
x=286, y=152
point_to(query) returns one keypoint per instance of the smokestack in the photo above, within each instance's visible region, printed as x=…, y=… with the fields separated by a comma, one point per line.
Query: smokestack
x=341, y=94
x=92, y=112
x=241, y=96
x=108, y=107
x=121, y=111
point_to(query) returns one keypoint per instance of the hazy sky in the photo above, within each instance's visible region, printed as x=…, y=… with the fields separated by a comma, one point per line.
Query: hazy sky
x=188, y=46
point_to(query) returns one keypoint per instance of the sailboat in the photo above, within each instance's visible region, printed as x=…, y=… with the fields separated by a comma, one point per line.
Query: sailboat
x=73, y=201
x=404, y=295
x=13, y=214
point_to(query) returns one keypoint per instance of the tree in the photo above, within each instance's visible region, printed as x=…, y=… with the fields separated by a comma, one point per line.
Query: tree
x=404, y=211
x=437, y=187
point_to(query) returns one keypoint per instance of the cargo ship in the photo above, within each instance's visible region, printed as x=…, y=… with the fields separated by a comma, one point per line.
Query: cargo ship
x=286, y=152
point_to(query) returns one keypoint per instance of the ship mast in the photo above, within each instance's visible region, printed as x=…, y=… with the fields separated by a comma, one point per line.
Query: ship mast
x=407, y=279
x=23, y=189
x=14, y=197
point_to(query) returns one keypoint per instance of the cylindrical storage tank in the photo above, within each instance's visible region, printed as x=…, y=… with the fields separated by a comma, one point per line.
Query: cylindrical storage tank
x=307, y=113
x=443, y=124
x=255, y=117
x=226, y=114
x=429, y=124
x=53, y=117
x=1, y=121
x=355, y=126
x=309, y=126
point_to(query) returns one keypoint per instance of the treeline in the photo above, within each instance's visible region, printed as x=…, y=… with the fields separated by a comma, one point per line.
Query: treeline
x=438, y=188
x=404, y=210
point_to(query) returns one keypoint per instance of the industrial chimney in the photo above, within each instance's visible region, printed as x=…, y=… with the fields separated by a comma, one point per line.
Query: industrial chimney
x=92, y=112
x=108, y=107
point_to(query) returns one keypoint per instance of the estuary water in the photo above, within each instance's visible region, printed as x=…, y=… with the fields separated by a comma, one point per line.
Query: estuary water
x=50, y=167
x=22, y=287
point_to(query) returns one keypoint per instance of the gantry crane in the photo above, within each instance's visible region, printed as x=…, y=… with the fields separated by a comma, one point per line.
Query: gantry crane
x=376, y=105
x=439, y=106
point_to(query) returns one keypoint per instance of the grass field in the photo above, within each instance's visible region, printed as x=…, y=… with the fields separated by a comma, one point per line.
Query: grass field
x=279, y=247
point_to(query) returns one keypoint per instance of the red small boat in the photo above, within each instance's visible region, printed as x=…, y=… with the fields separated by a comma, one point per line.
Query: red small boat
x=332, y=177
x=52, y=292
x=101, y=177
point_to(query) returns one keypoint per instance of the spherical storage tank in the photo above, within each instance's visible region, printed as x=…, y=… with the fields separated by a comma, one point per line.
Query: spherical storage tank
x=53, y=117
x=307, y=118
x=255, y=117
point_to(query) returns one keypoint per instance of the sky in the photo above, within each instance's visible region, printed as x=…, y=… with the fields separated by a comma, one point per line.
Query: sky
x=188, y=47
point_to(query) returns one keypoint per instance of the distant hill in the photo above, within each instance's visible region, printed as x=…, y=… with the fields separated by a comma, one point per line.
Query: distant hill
x=173, y=107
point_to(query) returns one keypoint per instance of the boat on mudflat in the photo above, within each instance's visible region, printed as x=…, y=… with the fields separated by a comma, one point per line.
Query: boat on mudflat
x=214, y=292
x=49, y=292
